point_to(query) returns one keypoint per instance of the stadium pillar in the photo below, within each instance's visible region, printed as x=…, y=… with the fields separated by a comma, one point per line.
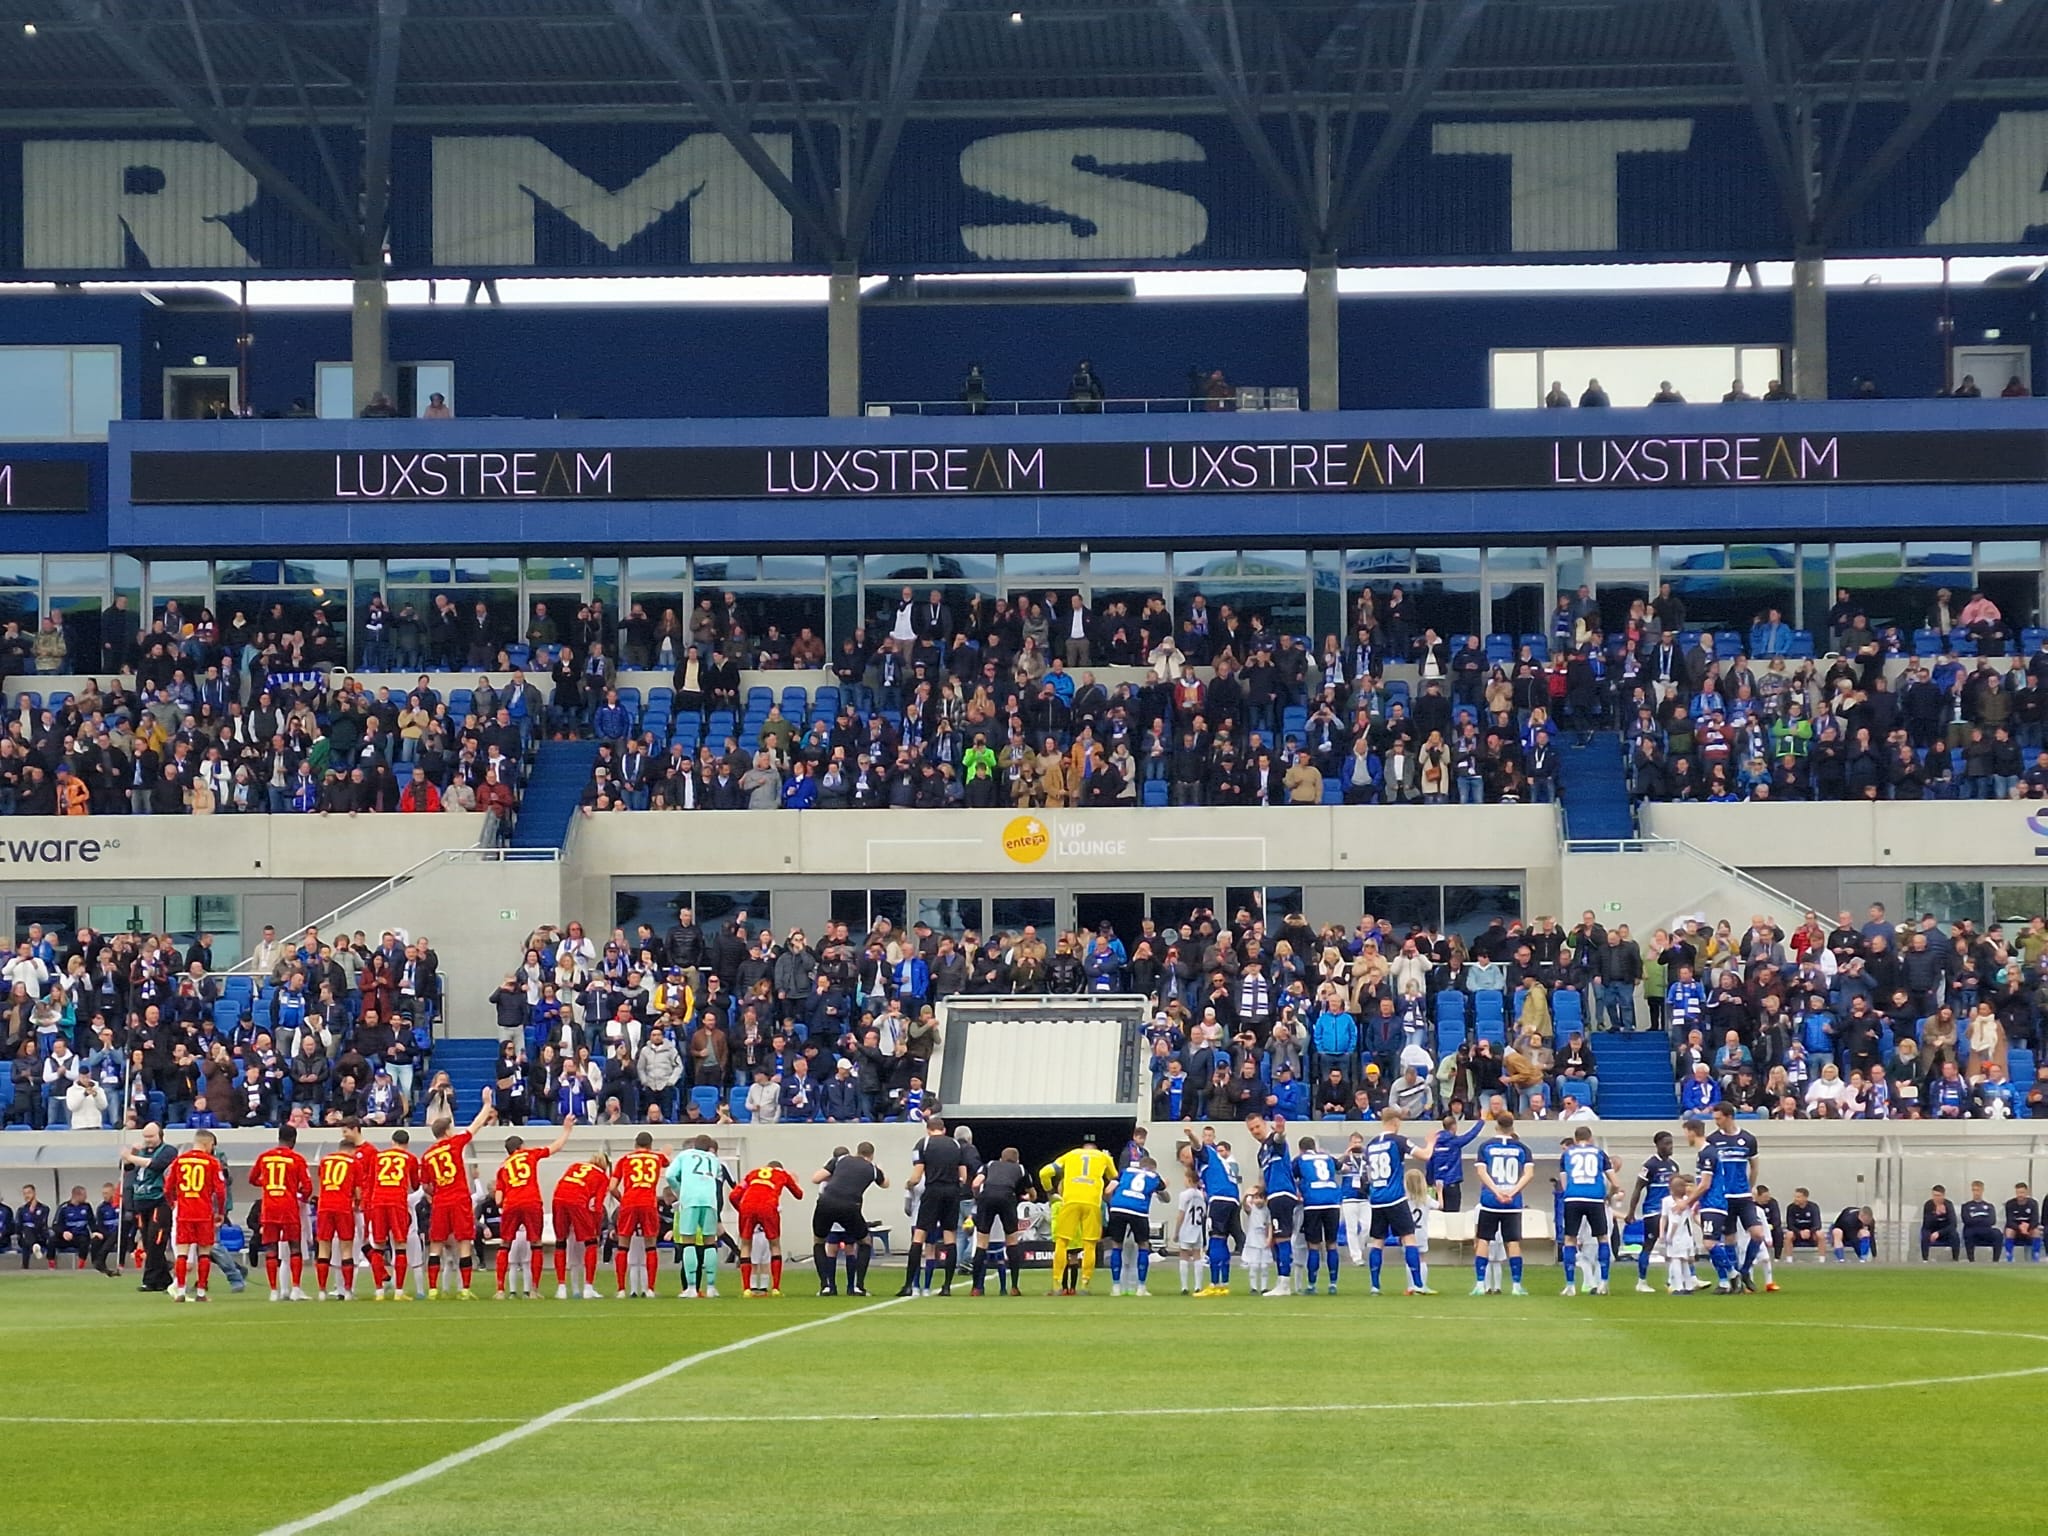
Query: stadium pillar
x=842, y=342
x=1322, y=332
x=1809, y=326
x=370, y=338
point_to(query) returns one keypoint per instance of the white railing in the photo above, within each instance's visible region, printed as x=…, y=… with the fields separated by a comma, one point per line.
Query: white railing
x=445, y=856
x=1133, y=405
x=1693, y=851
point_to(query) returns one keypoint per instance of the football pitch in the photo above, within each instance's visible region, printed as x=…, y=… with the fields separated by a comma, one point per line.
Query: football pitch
x=1864, y=1399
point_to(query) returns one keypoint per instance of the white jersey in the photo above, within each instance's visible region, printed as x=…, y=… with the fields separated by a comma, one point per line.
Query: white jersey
x=1420, y=1209
x=1191, y=1228
x=1258, y=1230
x=1678, y=1230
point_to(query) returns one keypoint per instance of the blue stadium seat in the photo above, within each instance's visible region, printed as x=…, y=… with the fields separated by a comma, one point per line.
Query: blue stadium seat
x=2030, y=639
x=1450, y=1034
x=1490, y=1028
x=241, y=988
x=1488, y=1002
x=630, y=697
x=760, y=698
x=662, y=695
x=1500, y=650
x=1153, y=792
x=1539, y=646
x=1333, y=790
x=1926, y=642
x=825, y=702
x=795, y=701
x=737, y=1102
x=60, y=1114
x=1962, y=642
x=227, y=1013
x=519, y=655
x=706, y=1100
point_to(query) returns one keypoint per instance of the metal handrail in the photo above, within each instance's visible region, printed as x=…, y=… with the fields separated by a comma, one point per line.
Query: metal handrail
x=1651, y=844
x=246, y=965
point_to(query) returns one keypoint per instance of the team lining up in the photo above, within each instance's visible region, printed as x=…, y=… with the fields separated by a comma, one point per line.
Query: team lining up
x=1359, y=1202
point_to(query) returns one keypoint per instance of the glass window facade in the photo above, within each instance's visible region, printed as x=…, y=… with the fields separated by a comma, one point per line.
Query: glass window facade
x=1456, y=590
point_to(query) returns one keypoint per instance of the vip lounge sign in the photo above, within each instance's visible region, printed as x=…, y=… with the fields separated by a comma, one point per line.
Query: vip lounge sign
x=1032, y=839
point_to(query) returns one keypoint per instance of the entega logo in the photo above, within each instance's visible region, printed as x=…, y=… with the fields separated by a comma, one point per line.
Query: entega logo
x=1026, y=839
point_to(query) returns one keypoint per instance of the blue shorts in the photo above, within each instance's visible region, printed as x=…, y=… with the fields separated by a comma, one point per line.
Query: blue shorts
x=1713, y=1225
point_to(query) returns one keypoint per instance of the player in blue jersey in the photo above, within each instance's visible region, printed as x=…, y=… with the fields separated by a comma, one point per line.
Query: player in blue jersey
x=1321, y=1182
x=1652, y=1185
x=1588, y=1175
x=1226, y=1217
x=1283, y=1200
x=1386, y=1189
x=1130, y=1216
x=1506, y=1167
x=1735, y=1177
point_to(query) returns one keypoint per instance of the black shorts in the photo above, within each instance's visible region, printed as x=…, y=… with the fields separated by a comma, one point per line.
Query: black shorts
x=1123, y=1224
x=939, y=1211
x=1319, y=1226
x=1283, y=1209
x=1805, y=1237
x=1713, y=1225
x=1505, y=1225
x=848, y=1221
x=1226, y=1220
x=991, y=1209
x=1392, y=1221
x=1743, y=1214
x=1453, y=1197
x=1983, y=1237
x=1579, y=1213
x=1653, y=1228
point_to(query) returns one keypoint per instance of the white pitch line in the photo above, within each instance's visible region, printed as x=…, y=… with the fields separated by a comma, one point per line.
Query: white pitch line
x=1235, y=1410
x=532, y=1427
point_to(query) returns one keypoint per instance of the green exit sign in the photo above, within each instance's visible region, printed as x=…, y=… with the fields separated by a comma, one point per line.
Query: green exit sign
x=506, y=914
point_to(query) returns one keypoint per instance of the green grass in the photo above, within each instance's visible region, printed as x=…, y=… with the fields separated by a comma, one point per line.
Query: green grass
x=1431, y=1413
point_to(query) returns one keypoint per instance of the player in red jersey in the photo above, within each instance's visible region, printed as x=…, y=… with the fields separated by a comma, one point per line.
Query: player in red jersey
x=579, y=1219
x=637, y=1178
x=519, y=1207
x=285, y=1183
x=758, y=1203
x=343, y=1180
x=394, y=1176
x=198, y=1187
x=451, y=1219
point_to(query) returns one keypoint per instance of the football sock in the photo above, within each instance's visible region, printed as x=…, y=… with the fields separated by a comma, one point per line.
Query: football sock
x=1840, y=1256
x=981, y=1267
x=1013, y=1261
x=1333, y=1267
x=707, y=1265
x=177, y=1270
x=1283, y=1257
x=1515, y=1270
x=348, y=1276
x=1863, y=1246
x=504, y=1264
x=687, y=1261
x=1059, y=1257
x=1754, y=1247
x=911, y=1267
x=1315, y=1265
x=1571, y=1263
x=590, y=1257
x=1375, y=1257
x=562, y=1263
x=1187, y=1274
x=270, y=1265
x=533, y=1264
x=434, y=1275
x=1606, y=1252
x=468, y=1269
x=1116, y=1264
x=826, y=1265
x=1087, y=1264
x=1219, y=1261
x=205, y=1269
x=1643, y=1262
x=1479, y=1267
x=321, y=1269
x=1414, y=1257
x=775, y=1273
x=653, y=1251
x=1144, y=1263
x=378, y=1272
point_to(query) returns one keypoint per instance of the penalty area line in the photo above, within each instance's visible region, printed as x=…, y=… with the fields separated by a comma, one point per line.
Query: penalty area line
x=566, y=1413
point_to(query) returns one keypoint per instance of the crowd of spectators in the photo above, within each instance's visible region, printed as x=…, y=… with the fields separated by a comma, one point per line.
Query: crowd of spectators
x=125, y=1029
x=1852, y=1021
x=718, y=1021
x=1856, y=726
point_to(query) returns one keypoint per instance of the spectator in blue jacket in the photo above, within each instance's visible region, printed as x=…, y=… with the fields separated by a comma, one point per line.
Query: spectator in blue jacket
x=1334, y=1034
x=801, y=1100
x=1288, y=1097
x=612, y=721
x=1770, y=635
x=913, y=979
x=1700, y=1093
x=1446, y=1171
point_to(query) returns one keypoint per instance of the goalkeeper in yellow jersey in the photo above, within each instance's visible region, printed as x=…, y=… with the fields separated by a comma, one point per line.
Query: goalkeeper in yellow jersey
x=1080, y=1178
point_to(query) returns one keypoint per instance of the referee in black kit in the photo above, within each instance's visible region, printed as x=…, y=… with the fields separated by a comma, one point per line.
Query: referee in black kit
x=847, y=1179
x=942, y=1172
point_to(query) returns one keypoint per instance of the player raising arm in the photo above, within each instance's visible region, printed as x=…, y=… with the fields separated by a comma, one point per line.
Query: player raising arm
x=1136, y=1190
x=1588, y=1174
x=198, y=1187
x=1386, y=1189
x=283, y=1184
x=451, y=1218
x=394, y=1180
x=519, y=1209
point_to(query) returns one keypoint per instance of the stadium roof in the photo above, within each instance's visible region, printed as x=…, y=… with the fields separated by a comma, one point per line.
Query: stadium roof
x=535, y=60
x=853, y=72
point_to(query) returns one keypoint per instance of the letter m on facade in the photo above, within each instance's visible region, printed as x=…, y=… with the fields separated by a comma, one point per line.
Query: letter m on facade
x=490, y=193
